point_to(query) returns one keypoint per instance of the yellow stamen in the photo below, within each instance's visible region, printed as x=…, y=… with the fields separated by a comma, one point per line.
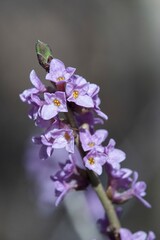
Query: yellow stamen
x=91, y=144
x=60, y=78
x=56, y=102
x=91, y=160
x=75, y=94
x=66, y=136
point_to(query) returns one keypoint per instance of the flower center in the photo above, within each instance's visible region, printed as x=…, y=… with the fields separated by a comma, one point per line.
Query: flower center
x=60, y=78
x=91, y=144
x=56, y=102
x=75, y=94
x=91, y=160
x=67, y=137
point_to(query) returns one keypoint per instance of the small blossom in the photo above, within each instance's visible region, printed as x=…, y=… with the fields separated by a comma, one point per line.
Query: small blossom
x=125, y=234
x=54, y=103
x=68, y=178
x=114, y=155
x=39, y=87
x=58, y=73
x=93, y=93
x=89, y=141
x=76, y=91
x=94, y=161
x=55, y=139
x=122, y=187
x=31, y=96
x=138, y=190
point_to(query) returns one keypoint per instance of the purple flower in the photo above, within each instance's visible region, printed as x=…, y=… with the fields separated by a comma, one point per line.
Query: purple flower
x=94, y=161
x=125, y=234
x=122, y=187
x=76, y=91
x=114, y=155
x=62, y=187
x=31, y=96
x=89, y=141
x=63, y=138
x=58, y=73
x=55, y=102
x=87, y=117
x=68, y=178
x=138, y=190
x=55, y=139
x=39, y=87
x=93, y=93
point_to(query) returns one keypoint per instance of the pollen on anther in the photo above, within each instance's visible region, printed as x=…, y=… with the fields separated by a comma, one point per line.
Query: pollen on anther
x=61, y=78
x=56, y=102
x=75, y=94
x=91, y=144
x=91, y=160
x=67, y=137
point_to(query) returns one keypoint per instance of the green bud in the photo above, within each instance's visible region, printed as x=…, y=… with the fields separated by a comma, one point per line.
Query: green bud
x=44, y=54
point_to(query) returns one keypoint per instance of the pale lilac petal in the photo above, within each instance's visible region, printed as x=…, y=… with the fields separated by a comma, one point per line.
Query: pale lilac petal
x=84, y=101
x=36, y=81
x=25, y=95
x=69, y=72
x=151, y=236
x=48, y=97
x=59, y=142
x=97, y=168
x=140, y=235
x=117, y=155
x=70, y=147
x=85, y=138
x=35, y=99
x=48, y=111
x=69, y=89
x=101, y=114
x=125, y=234
x=56, y=65
x=100, y=136
x=81, y=82
x=93, y=89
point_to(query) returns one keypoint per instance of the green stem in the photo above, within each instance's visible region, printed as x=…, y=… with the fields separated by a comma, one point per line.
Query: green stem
x=97, y=186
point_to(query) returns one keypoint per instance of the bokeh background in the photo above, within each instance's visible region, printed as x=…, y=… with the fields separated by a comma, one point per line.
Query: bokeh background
x=114, y=43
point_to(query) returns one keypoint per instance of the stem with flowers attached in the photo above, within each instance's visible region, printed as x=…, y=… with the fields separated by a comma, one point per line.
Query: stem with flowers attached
x=98, y=188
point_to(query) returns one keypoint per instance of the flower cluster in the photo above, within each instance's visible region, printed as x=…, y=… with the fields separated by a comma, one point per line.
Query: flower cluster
x=68, y=112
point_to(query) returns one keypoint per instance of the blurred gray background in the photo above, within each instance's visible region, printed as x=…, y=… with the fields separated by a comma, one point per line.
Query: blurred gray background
x=114, y=43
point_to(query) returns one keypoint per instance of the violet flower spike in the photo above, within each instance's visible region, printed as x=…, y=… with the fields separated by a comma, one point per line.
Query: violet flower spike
x=83, y=103
x=54, y=103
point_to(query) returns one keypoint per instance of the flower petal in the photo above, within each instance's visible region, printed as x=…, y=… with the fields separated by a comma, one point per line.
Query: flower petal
x=36, y=81
x=48, y=111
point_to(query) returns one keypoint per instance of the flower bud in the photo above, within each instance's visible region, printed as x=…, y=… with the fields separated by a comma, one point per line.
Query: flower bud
x=44, y=54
